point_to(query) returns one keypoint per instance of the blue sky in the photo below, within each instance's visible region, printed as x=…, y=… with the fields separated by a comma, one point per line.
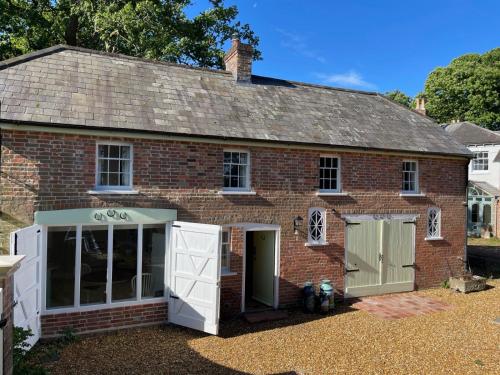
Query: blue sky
x=377, y=45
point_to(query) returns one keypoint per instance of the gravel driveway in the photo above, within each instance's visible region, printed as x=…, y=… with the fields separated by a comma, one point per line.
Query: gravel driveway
x=463, y=340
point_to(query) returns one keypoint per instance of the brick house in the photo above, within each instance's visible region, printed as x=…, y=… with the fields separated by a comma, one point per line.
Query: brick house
x=140, y=184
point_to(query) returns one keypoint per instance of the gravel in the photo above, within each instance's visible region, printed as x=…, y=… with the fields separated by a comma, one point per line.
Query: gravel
x=463, y=341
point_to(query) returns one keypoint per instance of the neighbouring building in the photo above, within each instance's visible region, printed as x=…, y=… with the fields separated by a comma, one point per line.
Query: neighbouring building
x=483, y=217
x=151, y=191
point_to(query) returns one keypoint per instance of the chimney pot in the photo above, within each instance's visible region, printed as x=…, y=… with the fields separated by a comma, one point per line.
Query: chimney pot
x=238, y=60
x=420, y=106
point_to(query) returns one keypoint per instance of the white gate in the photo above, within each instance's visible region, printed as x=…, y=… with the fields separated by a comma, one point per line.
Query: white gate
x=195, y=276
x=27, y=280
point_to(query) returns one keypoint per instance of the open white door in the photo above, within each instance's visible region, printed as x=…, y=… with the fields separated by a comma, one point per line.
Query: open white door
x=27, y=280
x=194, y=276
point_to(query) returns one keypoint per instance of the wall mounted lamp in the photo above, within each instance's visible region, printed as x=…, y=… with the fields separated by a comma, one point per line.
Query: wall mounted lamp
x=297, y=223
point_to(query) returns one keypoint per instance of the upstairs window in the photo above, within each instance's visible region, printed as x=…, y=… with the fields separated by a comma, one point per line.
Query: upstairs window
x=114, y=166
x=410, y=177
x=317, y=226
x=236, y=170
x=433, y=223
x=329, y=174
x=480, y=161
x=225, y=250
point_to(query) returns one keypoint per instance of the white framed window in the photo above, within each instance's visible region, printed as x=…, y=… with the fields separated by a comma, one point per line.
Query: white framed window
x=316, y=226
x=114, y=166
x=225, y=250
x=91, y=267
x=410, y=176
x=329, y=174
x=480, y=161
x=433, y=223
x=236, y=170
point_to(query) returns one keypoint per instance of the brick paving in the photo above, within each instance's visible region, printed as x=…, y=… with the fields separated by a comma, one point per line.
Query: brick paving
x=398, y=306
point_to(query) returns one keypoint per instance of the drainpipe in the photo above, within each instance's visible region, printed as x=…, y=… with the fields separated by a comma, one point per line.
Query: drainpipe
x=466, y=205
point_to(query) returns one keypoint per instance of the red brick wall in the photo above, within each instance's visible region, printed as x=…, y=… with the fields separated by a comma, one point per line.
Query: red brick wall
x=231, y=284
x=42, y=171
x=105, y=319
x=8, y=299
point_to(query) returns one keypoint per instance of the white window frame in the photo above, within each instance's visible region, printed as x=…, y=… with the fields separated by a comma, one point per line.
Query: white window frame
x=316, y=242
x=246, y=188
x=98, y=186
x=226, y=269
x=417, y=184
x=77, y=307
x=339, y=173
x=483, y=158
x=437, y=235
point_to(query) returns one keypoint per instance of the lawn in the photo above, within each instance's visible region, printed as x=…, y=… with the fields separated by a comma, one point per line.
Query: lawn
x=463, y=340
x=493, y=241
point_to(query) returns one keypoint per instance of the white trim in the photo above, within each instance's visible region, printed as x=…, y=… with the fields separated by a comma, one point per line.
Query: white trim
x=78, y=264
x=248, y=187
x=433, y=238
x=337, y=191
x=405, y=194
x=228, y=273
x=322, y=241
x=312, y=244
x=138, y=272
x=417, y=177
x=109, y=270
x=324, y=193
x=236, y=192
x=224, y=269
x=105, y=191
x=108, y=188
x=381, y=216
x=438, y=226
x=371, y=290
x=254, y=227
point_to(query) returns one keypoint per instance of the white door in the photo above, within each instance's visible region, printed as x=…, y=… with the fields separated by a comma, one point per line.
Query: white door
x=195, y=276
x=27, y=280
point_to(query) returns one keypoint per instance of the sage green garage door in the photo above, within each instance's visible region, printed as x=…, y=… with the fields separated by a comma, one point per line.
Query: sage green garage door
x=379, y=257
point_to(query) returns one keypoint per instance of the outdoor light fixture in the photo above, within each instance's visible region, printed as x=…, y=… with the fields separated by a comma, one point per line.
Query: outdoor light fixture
x=123, y=215
x=297, y=223
x=98, y=216
x=111, y=213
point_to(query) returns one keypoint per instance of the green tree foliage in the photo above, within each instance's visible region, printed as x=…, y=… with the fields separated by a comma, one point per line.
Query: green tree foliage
x=399, y=97
x=153, y=29
x=467, y=90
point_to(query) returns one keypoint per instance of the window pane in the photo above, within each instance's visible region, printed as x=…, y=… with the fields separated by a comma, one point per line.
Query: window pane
x=114, y=151
x=235, y=157
x=103, y=179
x=103, y=151
x=227, y=157
x=61, y=250
x=243, y=158
x=113, y=179
x=124, y=179
x=125, y=152
x=227, y=182
x=234, y=181
x=153, y=261
x=124, y=166
x=103, y=165
x=94, y=264
x=114, y=165
x=124, y=262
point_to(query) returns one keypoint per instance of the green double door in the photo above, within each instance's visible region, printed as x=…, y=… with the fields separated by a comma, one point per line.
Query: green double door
x=379, y=257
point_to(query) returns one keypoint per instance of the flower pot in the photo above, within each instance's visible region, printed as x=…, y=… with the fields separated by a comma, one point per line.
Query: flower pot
x=466, y=284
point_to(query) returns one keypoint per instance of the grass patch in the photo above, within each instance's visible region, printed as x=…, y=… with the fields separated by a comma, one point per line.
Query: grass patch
x=493, y=241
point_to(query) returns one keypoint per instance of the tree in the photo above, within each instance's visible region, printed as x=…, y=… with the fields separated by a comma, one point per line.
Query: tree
x=154, y=29
x=399, y=97
x=468, y=89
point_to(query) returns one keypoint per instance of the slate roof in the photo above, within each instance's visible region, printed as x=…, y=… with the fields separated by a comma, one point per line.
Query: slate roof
x=72, y=86
x=469, y=133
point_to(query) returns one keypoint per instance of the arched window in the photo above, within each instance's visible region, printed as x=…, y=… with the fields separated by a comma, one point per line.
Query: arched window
x=434, y=223
x=317, y=226
x=474, y=213
x=487, y=214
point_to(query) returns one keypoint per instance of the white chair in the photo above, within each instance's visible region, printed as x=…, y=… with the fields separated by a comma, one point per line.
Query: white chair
x=147, y=284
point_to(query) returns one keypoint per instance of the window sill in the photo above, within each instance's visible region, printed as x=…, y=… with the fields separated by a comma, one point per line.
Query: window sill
x=331, y=193
x=110, y=191
x=403, y=194
x=309, y=244
x=236, y=192
x=434, y=238
x=228, y=273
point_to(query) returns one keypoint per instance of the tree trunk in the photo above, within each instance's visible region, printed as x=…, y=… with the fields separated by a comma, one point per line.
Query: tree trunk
x=71, y=30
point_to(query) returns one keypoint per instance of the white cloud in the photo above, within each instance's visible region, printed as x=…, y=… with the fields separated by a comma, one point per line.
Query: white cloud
x=348, y=79
x=298, y=43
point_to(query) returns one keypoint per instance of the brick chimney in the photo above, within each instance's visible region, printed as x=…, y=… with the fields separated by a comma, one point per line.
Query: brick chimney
x=238, y=60
x=420, y=106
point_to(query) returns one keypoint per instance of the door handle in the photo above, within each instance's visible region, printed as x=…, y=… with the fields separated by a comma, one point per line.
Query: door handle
x=353, y=270
x=174, y=297
x=409, y=265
